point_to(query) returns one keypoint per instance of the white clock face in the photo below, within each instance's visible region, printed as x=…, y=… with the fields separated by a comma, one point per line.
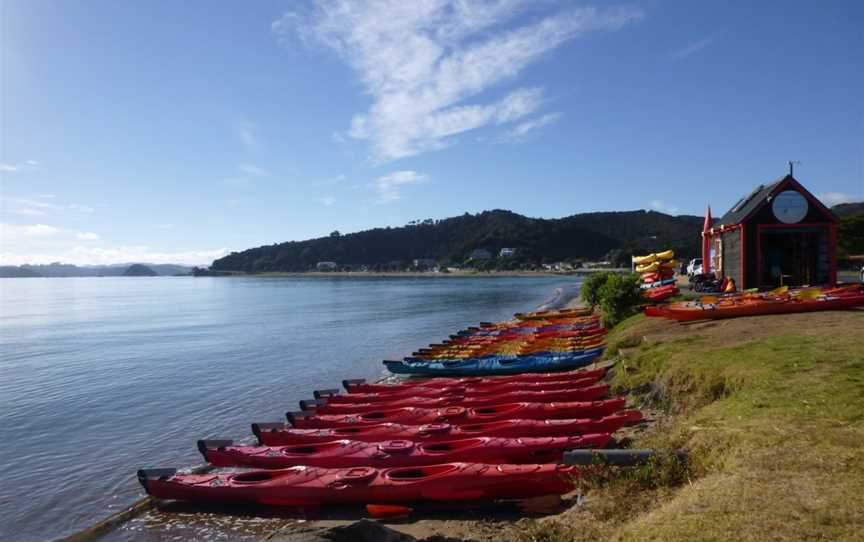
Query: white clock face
x=790, y=207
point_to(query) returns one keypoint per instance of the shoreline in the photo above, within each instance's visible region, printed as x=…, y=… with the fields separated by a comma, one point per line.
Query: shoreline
x=413, y=274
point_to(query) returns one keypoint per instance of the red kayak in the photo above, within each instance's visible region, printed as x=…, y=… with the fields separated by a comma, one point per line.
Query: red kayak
x=316, y=486
x=590, y=393
x=459, y=415
x=397, y=453
x=278, y=434
x=333, y=396
x=661, y=293
x=735, y=307
x=361, y=386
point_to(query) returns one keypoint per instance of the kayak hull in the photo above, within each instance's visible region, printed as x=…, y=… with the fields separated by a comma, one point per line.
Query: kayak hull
x=733, y=309
x=278, y=434
x=411, y=392
x=460, y=415
x=589, y=393
x=399, y=453
x=496, y=365
x=315, y=486
x=476, y=383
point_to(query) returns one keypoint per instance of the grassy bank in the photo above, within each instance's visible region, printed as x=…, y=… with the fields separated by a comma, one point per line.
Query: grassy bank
x=771, y=410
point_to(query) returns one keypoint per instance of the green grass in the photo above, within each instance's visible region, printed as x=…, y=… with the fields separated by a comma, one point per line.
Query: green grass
x=774, y=423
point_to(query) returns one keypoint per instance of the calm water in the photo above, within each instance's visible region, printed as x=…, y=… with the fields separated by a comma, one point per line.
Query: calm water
x=101, y=376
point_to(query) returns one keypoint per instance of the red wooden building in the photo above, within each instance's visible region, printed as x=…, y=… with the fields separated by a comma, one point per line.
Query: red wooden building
x=779, y=234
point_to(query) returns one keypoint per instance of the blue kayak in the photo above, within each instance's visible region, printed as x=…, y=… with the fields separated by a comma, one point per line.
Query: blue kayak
x=497, y=365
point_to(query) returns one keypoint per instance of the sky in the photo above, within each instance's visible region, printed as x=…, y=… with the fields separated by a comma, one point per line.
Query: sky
x=180, y=131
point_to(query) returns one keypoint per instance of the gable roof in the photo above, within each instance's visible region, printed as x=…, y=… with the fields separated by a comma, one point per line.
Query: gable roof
x=752, y=202
x=749, y=203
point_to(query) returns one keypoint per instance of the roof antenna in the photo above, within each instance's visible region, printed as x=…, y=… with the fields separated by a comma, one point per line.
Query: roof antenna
x=792, y=167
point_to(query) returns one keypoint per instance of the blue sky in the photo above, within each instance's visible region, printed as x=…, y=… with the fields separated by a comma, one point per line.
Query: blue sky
x=178, y=131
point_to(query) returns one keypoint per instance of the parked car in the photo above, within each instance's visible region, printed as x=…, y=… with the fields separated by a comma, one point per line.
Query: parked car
x=694, y=267
x=861, y=275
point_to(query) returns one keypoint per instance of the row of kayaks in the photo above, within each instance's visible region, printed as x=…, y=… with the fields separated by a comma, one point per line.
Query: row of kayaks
x=539, y=342
x=443, y=440
x=779, y=301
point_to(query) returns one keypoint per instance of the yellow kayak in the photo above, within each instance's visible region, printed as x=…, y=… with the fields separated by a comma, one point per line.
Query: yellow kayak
x=665, y=255
x=644, y=260
x=655, y=257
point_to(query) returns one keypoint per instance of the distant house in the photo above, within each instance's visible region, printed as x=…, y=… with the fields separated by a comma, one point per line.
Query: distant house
x=507, y=253
x=326, y=266
x=425, y=263
x=479, y=254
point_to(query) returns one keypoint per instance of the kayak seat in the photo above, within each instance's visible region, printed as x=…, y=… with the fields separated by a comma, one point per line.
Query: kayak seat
x=252, y=477
x=357, y=475
x=440, y=447
x=412, y=473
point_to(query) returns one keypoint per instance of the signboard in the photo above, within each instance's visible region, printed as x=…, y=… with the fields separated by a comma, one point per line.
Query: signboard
x=790, y=207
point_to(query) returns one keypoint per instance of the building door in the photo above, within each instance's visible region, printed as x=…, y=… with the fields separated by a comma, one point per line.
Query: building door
x=794, y=257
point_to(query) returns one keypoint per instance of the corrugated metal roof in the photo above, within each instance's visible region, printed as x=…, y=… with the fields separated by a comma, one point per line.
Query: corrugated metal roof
x=749, y=203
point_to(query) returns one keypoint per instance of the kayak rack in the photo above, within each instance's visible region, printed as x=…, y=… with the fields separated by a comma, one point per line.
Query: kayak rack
x=620, y=457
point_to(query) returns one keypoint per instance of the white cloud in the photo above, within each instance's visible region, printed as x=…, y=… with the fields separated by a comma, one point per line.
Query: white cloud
x=253, y=170
x=691, y=48
x=662, y=207
x=43, y=244
x=835, y=198
x=388, y=186
x=13, y=233
x=421, y=61
x=38, y=206
x=19, y=167
x=165, y=226
x=521, y=130
x=327, y=200
x=80, y=255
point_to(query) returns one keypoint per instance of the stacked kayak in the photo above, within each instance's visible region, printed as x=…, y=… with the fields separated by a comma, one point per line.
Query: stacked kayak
x=658, y=275
x=779, y=301
x=539, y=342
x=463, y=439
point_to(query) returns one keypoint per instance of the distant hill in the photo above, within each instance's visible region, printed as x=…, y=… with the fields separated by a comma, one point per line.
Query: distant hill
x=844, y=210
x=8, y=271
x=591, y=236
x=67, y=270
x=138, y=270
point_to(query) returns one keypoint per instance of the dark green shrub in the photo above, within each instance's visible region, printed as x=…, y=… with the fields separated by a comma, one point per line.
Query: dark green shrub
x=618, y=297
x=590, y=289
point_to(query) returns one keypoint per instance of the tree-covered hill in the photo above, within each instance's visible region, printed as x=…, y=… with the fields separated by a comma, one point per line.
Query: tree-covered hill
x=591, y=236
x=844, y=210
